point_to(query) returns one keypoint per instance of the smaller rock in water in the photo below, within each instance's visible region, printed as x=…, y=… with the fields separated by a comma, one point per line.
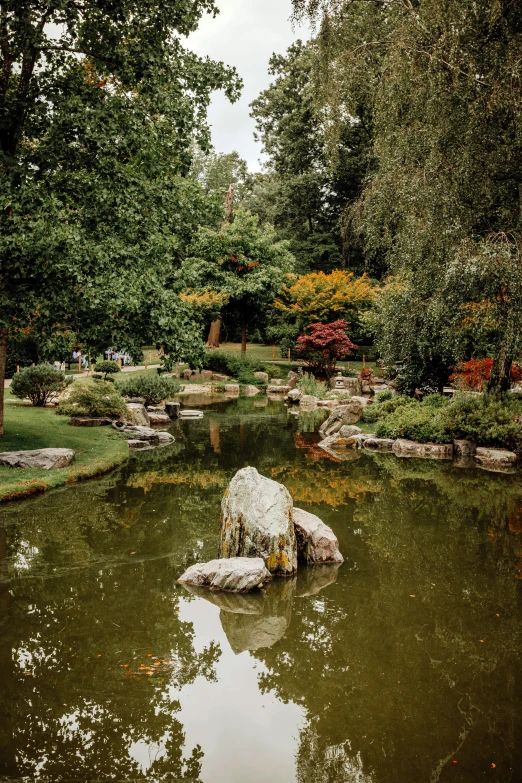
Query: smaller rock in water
x=138, y=444
x=250, y=391
x=464, y=448
x=190, y=414
x=172, y=408
x=279, y=389
x=294, y=395
x=378, y=444
x=410, y=448
x=316, y=542
x=159, y=417
x=45, y=459
x=234, y=574
x=348, y=430
x=496, y=460
x=232, y=388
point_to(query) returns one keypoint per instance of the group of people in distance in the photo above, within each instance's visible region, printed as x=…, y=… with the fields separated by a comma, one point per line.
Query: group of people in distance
x=115, y=355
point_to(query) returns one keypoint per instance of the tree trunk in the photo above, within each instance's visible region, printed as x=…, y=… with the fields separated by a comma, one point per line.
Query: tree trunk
x=213, y=335
x=3, y=359
x=243, y=337
x=500, y=378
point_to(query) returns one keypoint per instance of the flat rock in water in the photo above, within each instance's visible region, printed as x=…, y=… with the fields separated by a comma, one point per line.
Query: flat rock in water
x=190, y=414
x=234, y=574
x=316, y=542
x=257, y=521
x=45, y=459
x=496, y=460
x=159, y=417
x=134, y=444
x=410, y=448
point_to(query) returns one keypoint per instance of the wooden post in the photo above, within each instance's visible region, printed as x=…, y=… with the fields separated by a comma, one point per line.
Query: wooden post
x=89, y=360
x=80, y=364
x=17, y=368
x=119, y=362
x=273, y=352
x=364, y=362
x=289, y=354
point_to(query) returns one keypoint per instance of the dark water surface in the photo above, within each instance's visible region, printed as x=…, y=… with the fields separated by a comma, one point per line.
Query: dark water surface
x=404, y=661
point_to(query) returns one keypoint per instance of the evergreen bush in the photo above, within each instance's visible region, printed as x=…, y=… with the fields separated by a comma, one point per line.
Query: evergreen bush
x=97, y=398
x=153, y=388
x=41, y=383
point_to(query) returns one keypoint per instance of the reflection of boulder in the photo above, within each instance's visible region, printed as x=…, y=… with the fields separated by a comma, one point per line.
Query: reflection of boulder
x=311, y=581
x=252, y=631
x=260, y=619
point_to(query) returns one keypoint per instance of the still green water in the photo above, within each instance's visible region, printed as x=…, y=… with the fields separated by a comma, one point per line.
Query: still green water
x=404, y=665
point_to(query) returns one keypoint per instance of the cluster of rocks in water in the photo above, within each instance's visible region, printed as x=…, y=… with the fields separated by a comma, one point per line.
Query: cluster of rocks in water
x=341, y=437
x=262, y=535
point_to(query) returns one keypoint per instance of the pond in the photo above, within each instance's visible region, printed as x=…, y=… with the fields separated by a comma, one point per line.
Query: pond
x=403, y=665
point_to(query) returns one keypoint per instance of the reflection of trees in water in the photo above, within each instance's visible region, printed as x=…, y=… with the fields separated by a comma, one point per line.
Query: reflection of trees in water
x=392, y=685
x=388, y=662
x=73, y=698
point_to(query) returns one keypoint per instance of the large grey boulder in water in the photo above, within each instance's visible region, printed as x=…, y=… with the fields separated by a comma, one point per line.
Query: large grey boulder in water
x=257, y=521
x=316, y=542
x=235, y=574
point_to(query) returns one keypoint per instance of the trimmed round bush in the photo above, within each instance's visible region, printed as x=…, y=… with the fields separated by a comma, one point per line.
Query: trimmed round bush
x=153, y=388
x=106, y=367
x=98, y=398
x=42, y=384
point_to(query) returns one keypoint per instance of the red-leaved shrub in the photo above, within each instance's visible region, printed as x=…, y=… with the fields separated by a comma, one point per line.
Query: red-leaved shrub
x=324, y=346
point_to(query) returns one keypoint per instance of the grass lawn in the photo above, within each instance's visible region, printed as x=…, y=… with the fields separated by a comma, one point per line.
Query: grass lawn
x=98, y=449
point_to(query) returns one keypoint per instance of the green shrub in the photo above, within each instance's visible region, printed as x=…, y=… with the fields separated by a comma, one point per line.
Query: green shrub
x=97, y=398
x=153, y=388
x=106, y=367
x=309, y=384
x=378, y=410
x=383, y=396
x=485, y=419
x=228, y=363
x=42, y=384
x=413, y=421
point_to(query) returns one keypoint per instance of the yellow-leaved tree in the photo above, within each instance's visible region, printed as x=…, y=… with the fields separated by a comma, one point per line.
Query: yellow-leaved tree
x=320, y=297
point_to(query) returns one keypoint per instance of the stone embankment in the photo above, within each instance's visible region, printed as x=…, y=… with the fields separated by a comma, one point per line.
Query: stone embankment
x=341, y=438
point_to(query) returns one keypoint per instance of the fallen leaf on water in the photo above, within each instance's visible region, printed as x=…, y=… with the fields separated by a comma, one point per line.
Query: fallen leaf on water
x=157, y=663
x=149, y=655
x=412, y=596
x=99, y=655
x=497, y=615
x=481, y=640
x=132, y=553
x=454, y=761
x=125, y=665
x=493, y=766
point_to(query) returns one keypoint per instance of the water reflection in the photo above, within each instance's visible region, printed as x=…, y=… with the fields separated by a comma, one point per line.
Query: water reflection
x=260, y=619
x=405, y=659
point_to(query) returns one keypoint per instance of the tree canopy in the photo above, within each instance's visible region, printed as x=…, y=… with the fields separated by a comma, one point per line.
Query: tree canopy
x=242, y=261
x=99, y=108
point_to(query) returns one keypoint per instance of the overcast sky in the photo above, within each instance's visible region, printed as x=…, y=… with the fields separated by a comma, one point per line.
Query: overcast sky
x=245, y=34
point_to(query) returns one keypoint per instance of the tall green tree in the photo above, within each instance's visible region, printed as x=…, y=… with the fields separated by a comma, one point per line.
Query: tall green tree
x=99, y=107
x=244, y=263
x=312, y=188
x=443, y=82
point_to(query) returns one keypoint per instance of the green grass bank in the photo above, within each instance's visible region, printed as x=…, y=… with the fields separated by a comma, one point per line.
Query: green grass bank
x=98, y=449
